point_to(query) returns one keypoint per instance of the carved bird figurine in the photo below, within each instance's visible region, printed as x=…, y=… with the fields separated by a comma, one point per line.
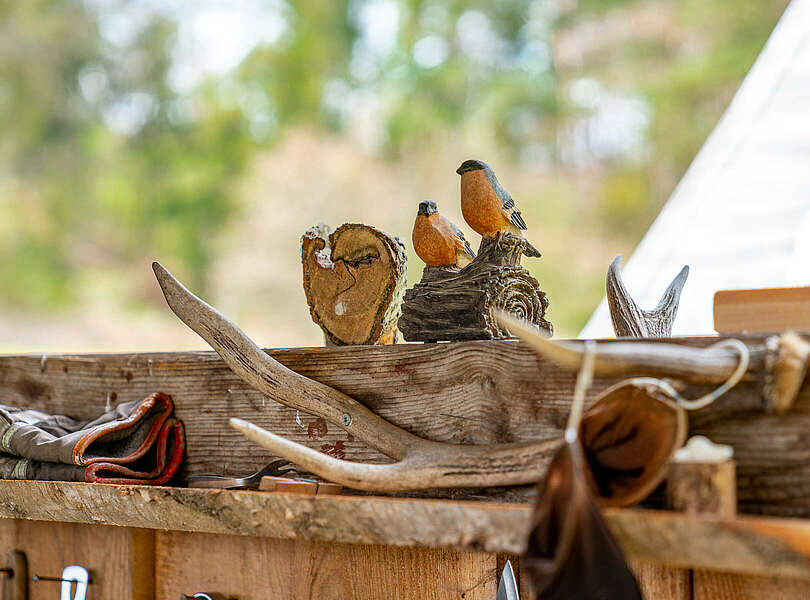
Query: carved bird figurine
x=437, y=240
x=486, y=206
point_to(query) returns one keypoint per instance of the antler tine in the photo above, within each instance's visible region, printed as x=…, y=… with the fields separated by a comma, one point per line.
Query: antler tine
x=431, y=465
x=697, y=365
x=629, y=320
x=420, y=463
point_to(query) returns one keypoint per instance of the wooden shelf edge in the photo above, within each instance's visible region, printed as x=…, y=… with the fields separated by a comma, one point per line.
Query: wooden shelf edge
x=752, y=545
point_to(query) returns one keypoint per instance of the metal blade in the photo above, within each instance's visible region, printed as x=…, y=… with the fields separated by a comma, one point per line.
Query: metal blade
x=507, y=587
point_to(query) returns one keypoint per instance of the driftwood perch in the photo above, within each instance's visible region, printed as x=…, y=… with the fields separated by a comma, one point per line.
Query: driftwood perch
x=457, y=304
x=354, y=279
x=631, y=321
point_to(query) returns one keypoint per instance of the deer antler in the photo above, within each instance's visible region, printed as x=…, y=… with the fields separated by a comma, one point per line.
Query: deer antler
x=780, y=364
x=631, y=321
x=420, y=463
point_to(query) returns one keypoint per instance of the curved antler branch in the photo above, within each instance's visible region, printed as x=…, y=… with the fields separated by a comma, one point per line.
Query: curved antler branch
x=429, y=465
x=780, y=364
x=631, y=321
x=420, y=463
x=696, y=365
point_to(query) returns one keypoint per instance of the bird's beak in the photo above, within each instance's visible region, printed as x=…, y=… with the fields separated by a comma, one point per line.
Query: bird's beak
x=459, y=171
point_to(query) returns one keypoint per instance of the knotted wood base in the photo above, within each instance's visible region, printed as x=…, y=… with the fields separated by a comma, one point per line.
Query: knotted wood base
x=457, y=304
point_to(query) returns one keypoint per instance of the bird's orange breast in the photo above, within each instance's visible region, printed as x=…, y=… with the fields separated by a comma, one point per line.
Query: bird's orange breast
x=480, y=206
x=432, y=242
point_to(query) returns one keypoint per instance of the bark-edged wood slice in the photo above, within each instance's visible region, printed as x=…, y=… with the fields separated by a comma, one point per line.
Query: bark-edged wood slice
x=457, y=304
x=354, y=278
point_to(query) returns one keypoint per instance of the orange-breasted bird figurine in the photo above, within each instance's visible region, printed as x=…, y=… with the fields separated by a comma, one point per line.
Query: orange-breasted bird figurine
x=437, y=240
x=486, y=206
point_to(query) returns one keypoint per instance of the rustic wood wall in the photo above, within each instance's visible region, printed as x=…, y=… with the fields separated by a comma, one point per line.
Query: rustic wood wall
x=143, y=564
x=466, y=392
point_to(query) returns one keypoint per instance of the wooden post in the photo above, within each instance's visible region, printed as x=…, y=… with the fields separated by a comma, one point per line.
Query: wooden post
x=703, y=480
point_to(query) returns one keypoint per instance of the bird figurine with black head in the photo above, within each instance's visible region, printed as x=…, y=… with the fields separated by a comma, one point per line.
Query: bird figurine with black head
x=437, y=240
x=487, y=207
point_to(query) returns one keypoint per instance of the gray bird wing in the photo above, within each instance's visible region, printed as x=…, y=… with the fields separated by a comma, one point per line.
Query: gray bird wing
x=460, y=235
x=506, y=200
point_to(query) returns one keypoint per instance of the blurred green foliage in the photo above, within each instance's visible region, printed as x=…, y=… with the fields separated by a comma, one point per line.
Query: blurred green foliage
x=103, y=160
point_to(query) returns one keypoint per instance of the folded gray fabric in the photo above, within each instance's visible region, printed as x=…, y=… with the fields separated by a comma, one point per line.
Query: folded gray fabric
x=136, y=442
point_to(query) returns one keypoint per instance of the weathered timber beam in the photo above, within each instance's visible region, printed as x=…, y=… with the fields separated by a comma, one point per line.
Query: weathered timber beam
x=753, y=545
x=465, y=392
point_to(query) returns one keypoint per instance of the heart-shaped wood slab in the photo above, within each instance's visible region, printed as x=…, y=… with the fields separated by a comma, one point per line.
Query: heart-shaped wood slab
x=354, y=279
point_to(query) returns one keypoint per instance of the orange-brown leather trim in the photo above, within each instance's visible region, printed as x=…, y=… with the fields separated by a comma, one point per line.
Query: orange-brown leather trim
x=139, y=413
x=164, y=470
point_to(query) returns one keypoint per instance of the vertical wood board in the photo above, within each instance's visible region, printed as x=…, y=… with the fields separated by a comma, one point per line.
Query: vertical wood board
x=254, y=568
x=120, y=560
x=715, y=585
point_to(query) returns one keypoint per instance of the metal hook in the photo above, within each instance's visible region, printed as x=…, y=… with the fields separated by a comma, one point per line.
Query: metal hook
x=70, y=575
x=15, y=586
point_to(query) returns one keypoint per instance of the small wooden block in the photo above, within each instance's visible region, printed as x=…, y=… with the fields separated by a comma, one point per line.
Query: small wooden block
x=703, y=488
x=762, y=310
x=288, y=486
x=326, y=488
x=306, y=488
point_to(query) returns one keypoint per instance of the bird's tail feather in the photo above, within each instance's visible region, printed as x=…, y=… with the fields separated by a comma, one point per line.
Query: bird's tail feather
x=531, y=250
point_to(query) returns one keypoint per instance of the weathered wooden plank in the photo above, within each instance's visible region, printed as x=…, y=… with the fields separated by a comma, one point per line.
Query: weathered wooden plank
x=658, y=582
x=371, y=520
x=465, y=392
x=711, y=585
x=753, y=545
x=768, y=309
x=299, y=569
x=120, y=561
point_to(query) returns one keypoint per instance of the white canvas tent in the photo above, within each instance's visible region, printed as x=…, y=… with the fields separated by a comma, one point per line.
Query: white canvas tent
x=740, y=218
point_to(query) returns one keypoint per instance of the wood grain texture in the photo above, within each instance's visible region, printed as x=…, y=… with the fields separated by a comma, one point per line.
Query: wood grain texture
x=754, y=545
x=354, y=279
x=120, y=561
x=762, y=310
x=466, y=392
x=11, y=587
x=362, y=520
x=703, y=488
x=457, y=304
x=658, y=582
x=711, y=585
x=258, y=568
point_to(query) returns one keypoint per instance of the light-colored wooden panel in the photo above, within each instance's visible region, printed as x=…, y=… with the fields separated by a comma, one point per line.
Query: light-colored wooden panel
x=120, y=560
x=763, y=310
x=257, y=568
x=658, y=582
x=712, y=585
